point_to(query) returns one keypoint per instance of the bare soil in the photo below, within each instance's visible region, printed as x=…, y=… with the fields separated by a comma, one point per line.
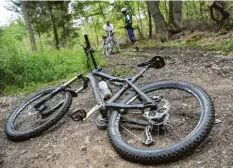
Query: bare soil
x=75, y=145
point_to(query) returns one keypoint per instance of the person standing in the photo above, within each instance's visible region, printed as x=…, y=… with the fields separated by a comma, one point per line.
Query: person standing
x=128, y=27
x=108, y=27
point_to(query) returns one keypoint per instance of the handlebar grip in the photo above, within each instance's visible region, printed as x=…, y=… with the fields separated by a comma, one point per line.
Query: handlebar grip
x=87, y=41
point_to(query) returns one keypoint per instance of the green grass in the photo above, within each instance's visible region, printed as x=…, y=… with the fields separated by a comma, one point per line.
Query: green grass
x=35, y=86
x=23, y=71
x=27, y=71
x=226, y=46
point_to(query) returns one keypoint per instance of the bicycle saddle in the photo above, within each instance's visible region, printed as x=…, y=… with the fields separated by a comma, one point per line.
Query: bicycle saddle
x=156, y=62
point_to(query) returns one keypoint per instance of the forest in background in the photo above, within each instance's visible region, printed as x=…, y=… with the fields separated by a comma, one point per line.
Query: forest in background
x=42, y=45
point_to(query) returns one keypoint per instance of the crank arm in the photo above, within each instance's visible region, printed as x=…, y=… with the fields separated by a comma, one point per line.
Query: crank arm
x=94, y=109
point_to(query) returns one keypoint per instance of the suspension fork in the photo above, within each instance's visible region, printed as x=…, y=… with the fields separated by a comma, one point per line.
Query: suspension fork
x=63, y=87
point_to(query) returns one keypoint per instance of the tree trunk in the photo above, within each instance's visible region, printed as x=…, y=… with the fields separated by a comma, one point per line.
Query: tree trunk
x=160, y=23
x=65, y=24
x=201, y=4
x=140, y=20
x=175, y=17
x=150, y=24
x=139, y=32
x=54, y=26
x=187, y=10
x=195, y=10
x=28, y=25
x=146, y=14
x=166, y=11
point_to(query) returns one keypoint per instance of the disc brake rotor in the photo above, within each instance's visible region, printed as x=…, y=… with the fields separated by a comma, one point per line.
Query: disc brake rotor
x=158, y=115
x=32, y=111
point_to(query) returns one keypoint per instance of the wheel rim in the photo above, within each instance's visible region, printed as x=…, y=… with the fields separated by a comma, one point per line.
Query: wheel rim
x=27, y=118
x=164, y=136
x=109, y=47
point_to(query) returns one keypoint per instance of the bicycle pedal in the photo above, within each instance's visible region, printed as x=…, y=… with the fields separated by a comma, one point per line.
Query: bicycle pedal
x=78, y=115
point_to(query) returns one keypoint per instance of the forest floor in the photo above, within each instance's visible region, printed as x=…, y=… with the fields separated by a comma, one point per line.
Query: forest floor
x=78, y=145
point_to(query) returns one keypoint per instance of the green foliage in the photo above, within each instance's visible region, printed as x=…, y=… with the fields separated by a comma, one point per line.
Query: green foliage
x=13, y=35
x=21, y=68
x=226, y=46
x=40, y=67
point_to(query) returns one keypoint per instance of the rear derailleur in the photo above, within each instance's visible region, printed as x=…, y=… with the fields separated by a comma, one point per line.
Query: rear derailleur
x=156, y=116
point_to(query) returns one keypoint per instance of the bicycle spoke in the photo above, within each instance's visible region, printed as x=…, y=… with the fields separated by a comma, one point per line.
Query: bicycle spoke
x=30, y=118
x=132, y=134
x=172, y=132
x=184, y=114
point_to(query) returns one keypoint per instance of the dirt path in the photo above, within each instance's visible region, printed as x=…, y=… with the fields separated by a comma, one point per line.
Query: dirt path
x=84, y=146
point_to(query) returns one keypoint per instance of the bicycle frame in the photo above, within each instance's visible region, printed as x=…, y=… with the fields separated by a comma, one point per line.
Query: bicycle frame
x=109, y=104
x=101, y=103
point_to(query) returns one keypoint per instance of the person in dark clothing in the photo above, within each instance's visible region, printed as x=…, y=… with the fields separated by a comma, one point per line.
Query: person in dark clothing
x=128, y=26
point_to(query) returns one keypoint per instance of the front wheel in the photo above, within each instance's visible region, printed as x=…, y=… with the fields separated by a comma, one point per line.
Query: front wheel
x=183, y=119
x=108, y=47
x=26, y=122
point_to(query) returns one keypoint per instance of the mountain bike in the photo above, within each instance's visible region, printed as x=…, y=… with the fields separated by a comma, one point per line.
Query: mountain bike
x=109, y=43
x=157, y=122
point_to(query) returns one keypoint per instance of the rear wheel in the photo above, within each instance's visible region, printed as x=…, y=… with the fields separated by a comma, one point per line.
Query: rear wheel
x=182, y=120
x=26, y=122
